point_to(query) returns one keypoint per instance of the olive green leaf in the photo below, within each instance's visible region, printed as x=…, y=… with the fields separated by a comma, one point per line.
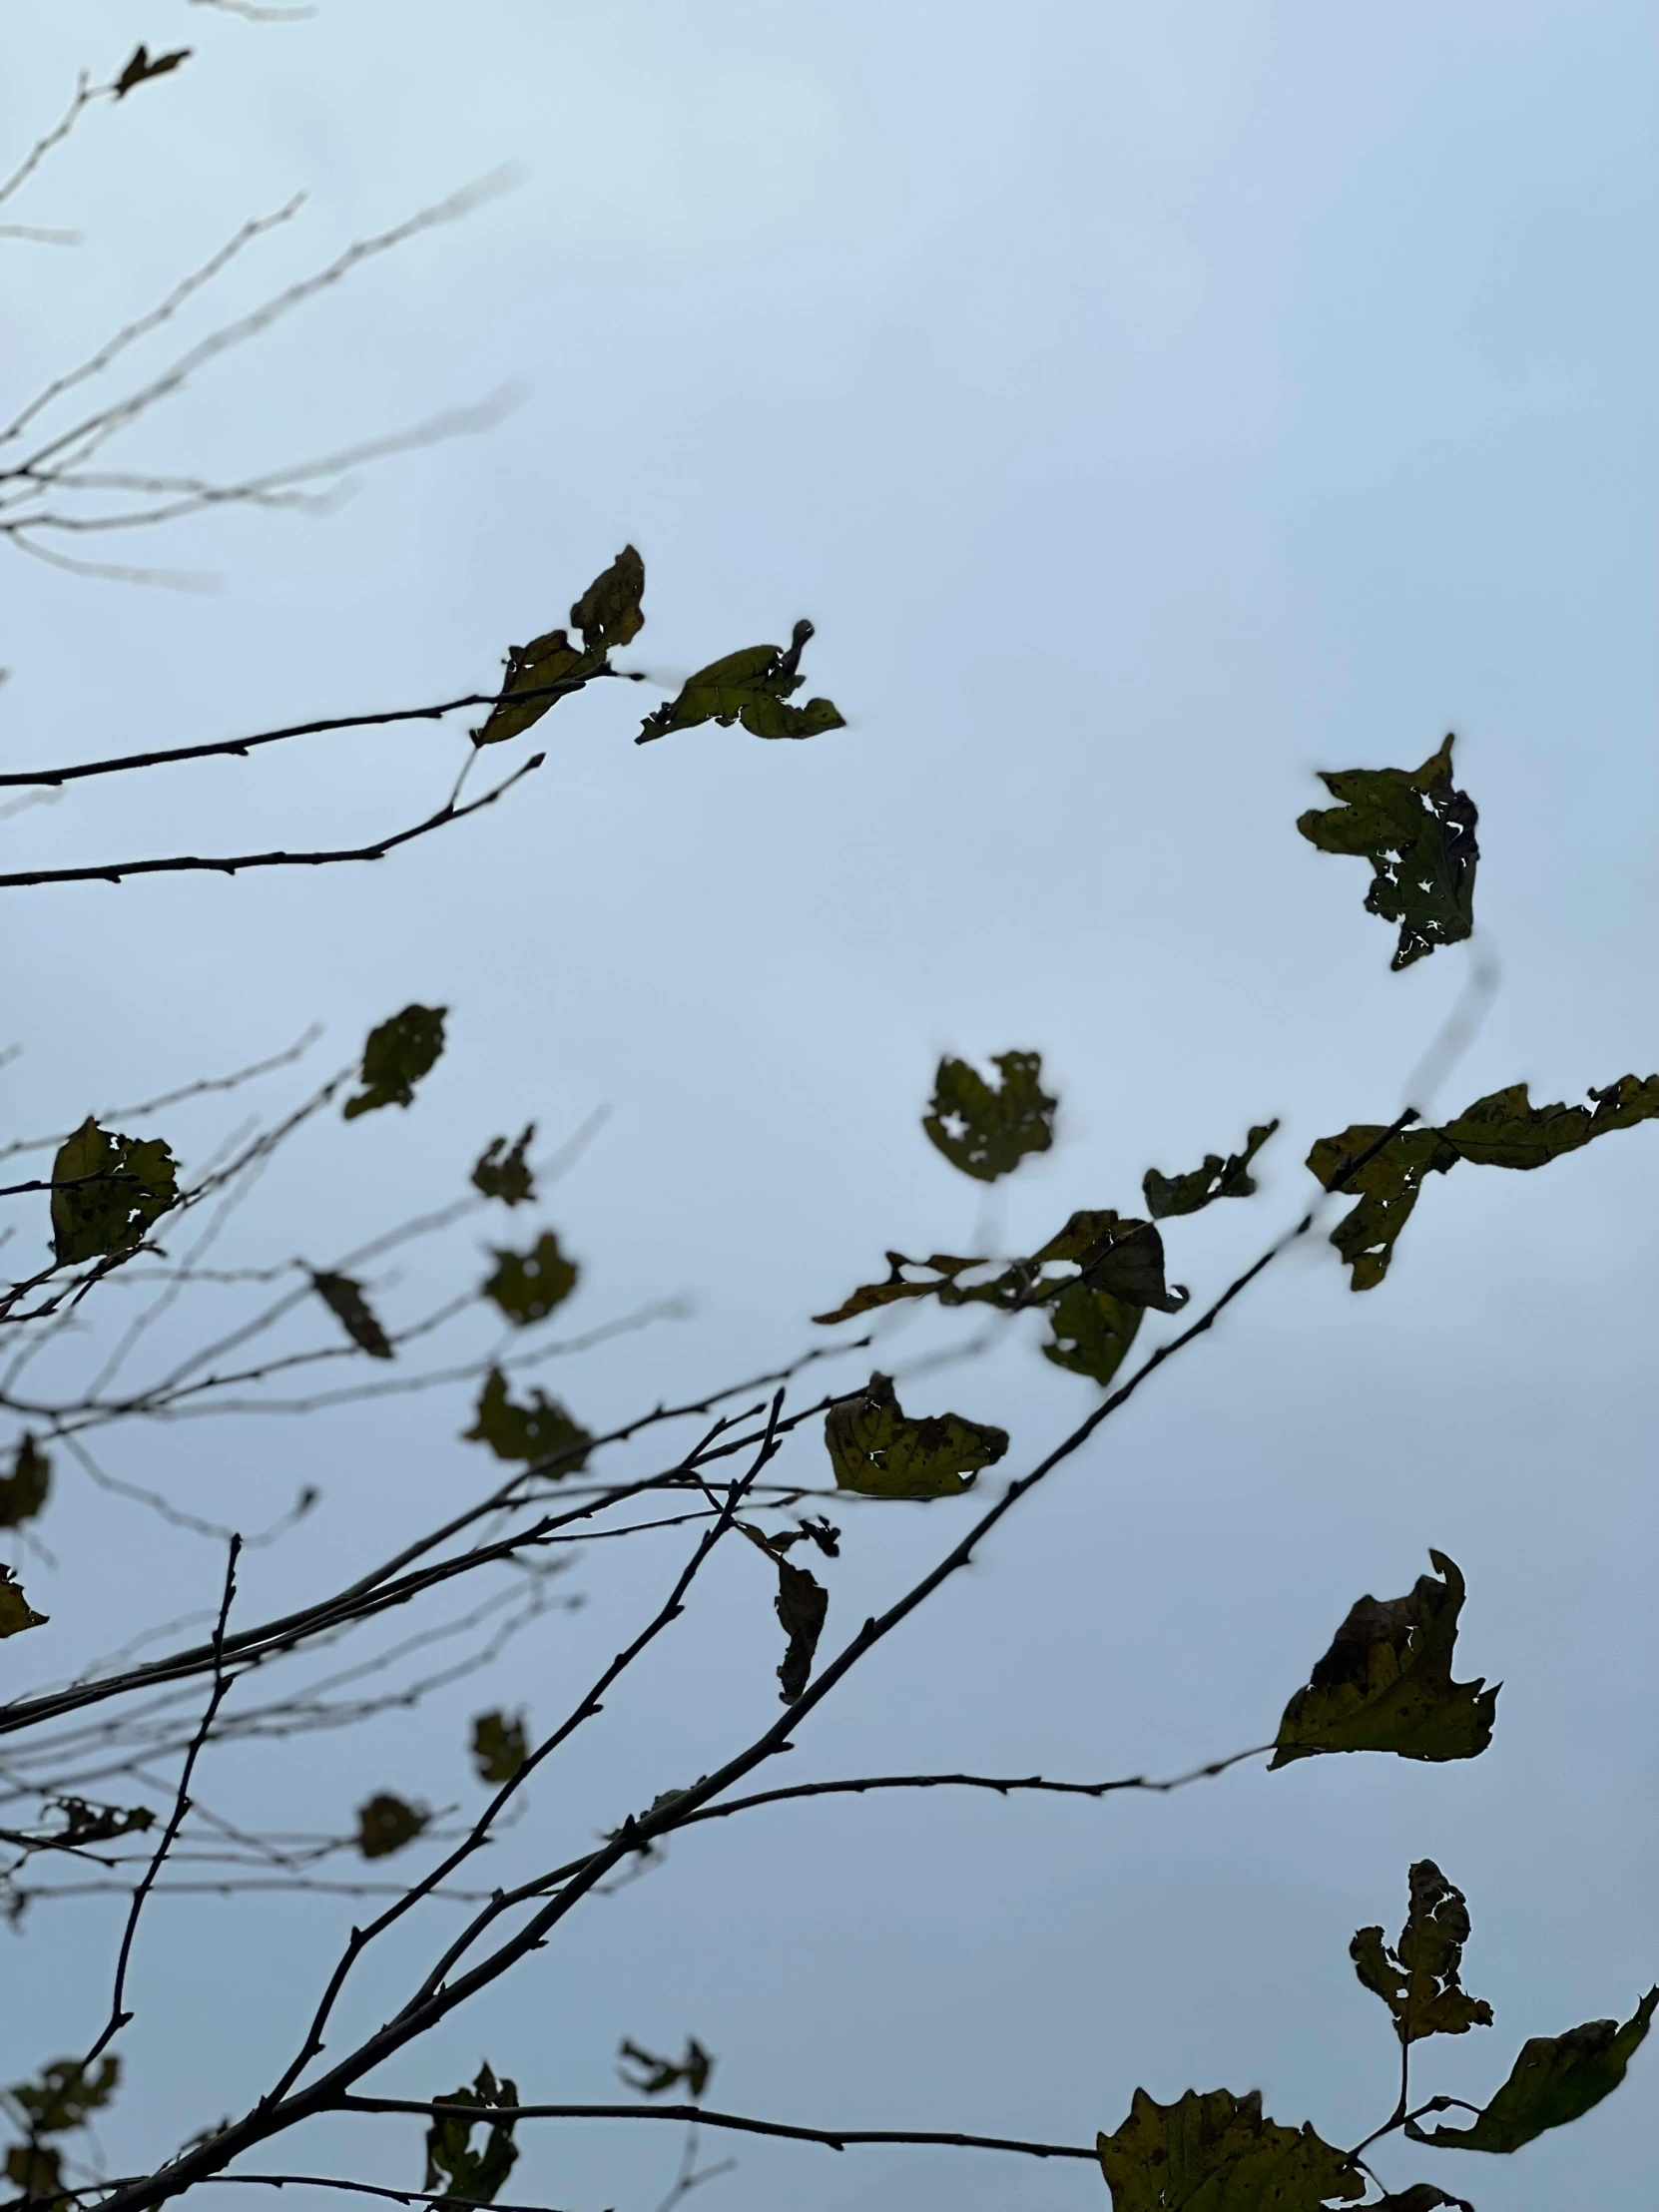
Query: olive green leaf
x=24, y=1491
x=386, y=1824
x=1214, y=2153
x=504, y=1172
x=344, y=1297
x=1418, y=831
x=1388, y=1186
x=803, y=1603
x=541, y=1430
x=108, y=1192
x=65, y=2093
x=1556, y=2078
x=465, y=2175
x=1118, y=1255
x=658, y=2075
x=944, y=1266
x=550, y=668
x=878, y=1452
x=753, y=687
x=99, y=1824
x=143, y=66
x=1508, y=1131
x=499, y=1746
x=1217, y=1178
x=396, y=1054
x=1419, y=1979
x=16, y=1613
x=1385, y=1682
x=1422, y=2196
x=608, y=613
x=1092, y=1331
x=986, y=1131
x=38, y=2172
x=527, y=1286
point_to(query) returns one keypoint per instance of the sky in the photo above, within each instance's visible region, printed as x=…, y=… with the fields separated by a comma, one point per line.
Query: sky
x=1150, y=407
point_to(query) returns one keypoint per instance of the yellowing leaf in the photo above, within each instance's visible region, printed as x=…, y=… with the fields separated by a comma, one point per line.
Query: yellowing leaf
x=387, y=1822
x=527, y=1286
x=108, y=1192
x=540, y=1431
x=1417, y=832
x=1556, y=2080
x=751, y=686
x=880, y=1452
x=499, y=1747
x=1214, y=2153
x=397, y=1054
x=504, y=1172
x=1092, y=1331
x=16, y=1613
x=344, y=1297
x=986, y=1131
x=1419, y=1979
x=465, y=2175
x=1217, y=1178
x=24, y=1491
x=550, y=668
x=803, y=1605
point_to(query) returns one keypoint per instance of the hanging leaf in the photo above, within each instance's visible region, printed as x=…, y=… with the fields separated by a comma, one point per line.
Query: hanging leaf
x=24, y=1491
x=344, y=1297
x=499, y=1746
x=1417, y=832
x=1124, y=1257
x=658, y=2075
x=1385, y=1682
x=802, y=1604
x=99, y=1824
x=986, y=1131
x=537, y=1431
x=16, y=1613
x=1389, y=1187
x=66, y=2093
x=1557, y=2079
x=877, y=1450
x=1092, y=1331
x=143, y=66
x=527, y=1286
x=396, y=1054
x=465, y=2175
x=1419, y=1979
x=1216, y=2149
x=751, y=686
x=550, y=668
x=386, y=1824
x=1217, y=1178
x=505, y=1174
x=1508, y=1131
x=108, y=1193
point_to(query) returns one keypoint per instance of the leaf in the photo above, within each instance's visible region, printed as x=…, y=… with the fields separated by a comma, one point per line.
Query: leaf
x=986, y=1132
x=396, y=1054
x=871, y=1294
x=99, y=1824
x=751, y=686
x=1385, y=1682
x=1508, y=1131
x=108, y=1192
x=1214, y=2153
x=527, y=1286
x=470, y=2176
x=1217, y=1178
x=1422, y=2196
x=607, y=614
x=880, y=1452
x=16, y=1613
x=499, y=1746
x=1124, y=1257
x=65, y=2093
x=344, y=1297
x=540, y=1431
x=38, y=2172
x=1092, y=1331
x=1419, y=1979
x=1418, y=831
x=659, y=2075
x=24, y=1491
x=803, y=1603
x=142, y=67
x=1389, y=1187
x=503, y=1174
x=386, y=1824
x=1556, y=2078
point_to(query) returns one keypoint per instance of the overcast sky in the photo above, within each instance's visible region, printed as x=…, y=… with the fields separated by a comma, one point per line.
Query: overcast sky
x=1150, y=406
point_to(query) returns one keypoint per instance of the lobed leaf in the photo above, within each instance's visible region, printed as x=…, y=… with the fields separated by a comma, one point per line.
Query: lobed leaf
x=504, y=1172
x=537, y=1431
x=16, y=1613
x=878, y=1450
x=108, y=1193
x=499, y=1746
x=1214, y=2153
x=1556, y=2080
x=1167, y=1195
x=387, y=1822
x=753, y=687
x=396, y=1054
x=987, y=1130
x=1418, y=831
x=24, y=1491
x=528, y=1286
x=550, y=668
x=344, y=1297
x=1419, y=1979
x=465, y=2175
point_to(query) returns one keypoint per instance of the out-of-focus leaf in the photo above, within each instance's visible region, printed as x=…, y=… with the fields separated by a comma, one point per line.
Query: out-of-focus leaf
x=38, y=2172
x=24, y=1491
x=504, y=1172
x=65, y=2093
x=144, y=65
x=943, y=1266
x=1508, y=1131
x=108, y=1192
x=803, y=1603
x=1214, y=2153
x=1422, y=2196
x=813, y=1530
x=657, y=2075
x=99, y=1824
x=527, y=1286
x=499, y=1746
x=1557, y=2079
x=396, y=1054
x=387, y=1822
x=987, y=1130
x=16, y=1613
x=1385, y=1682
x=540, y=1431
x=878, y=1450
x=1217, y=1178
x=1123, y=1256
x=1420, y=1979
x=753, y=687
x=1418, y=831
x=1092, y=1331
x=551, y=668
x=1387, y=1187
x=465, y=2175
x=344, y=1297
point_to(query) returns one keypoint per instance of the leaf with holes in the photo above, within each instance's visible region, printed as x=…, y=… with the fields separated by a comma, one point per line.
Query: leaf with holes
x=16, y=1613
x=465, y=2175
x=499, y=1746
x=24, y=1491
x=943, y=1266
x=1215, y=2150
x=753, y=687
x=344, y=1297
x=1092, y=1331
x=1507, y=1130
x=1419, y=1979
x=988, y=1129
x=1418, y=831
x=108, y=1193
x=541, y=1430
x=1389, y=1187
x=396, y=1054
x=99, y=1824
x=551, y=668
x=387, y=1822
x=878, y=1450
x=1167, y=1195
x=503, y=1172
x=527, y=1286
x=802, y=1604
x=1556, y=2080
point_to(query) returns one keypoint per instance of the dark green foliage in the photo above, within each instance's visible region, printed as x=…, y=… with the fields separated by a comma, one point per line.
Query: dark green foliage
x=344, y=1297
x=1557, y=2079
x=943, y=1265
x=1417, y=832
x=386, y=1824
x=504, y=1172
x=1092, y=1331
x=1419, y=1979
x=99, y=1824
x=878, y=1452
x=1124, y=1257
x=1385, y=1682
x=550, y=666
x=1214, y=2153
x=753, y=687
x=987, y=1131
x=658, y=2075
x=108, y=1192
x=66, y=2093
x=396, y=1054
x=1508, y=1131
x=1422, y=2196
x=24, y=1491
x=38, y=2172
x=143, y=66
x=803, y=1603
x=1217, y=1178
x=540, y=1431
x=527, y=1286
x=499, y=1747
x=465, y=2175
x=16, y=1613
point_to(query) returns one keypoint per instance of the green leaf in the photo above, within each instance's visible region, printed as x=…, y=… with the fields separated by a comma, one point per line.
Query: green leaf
x=143, y=66
x=1217, y=1178
x=386, y=1824
x=987, y=1131
x=66, y=2093
x=802, y=1604
x=751, y=686
x=99, y=1824
x=108, y=1192
x=16, y=1613
x=344, y=1297
x=942, y=1266
x=1214, y=2153
x=1508, y=1131
x=470, y=2176
x=1557, y=2079
x=38, y=2172
x=505, y=1174
x=24, y=1491
x=658, y=2075
x=1419, y=1979
x=540, y=1431
x=1388, y=1188
x=396, y=1054
x=527, y=1286
x=608, y=613
x=550, y=668
x=1417, y=832
x=1385, y=1682
x=878, y=1452
x=1117, y=1254
x=499, y=1746
x=1092, y=1331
